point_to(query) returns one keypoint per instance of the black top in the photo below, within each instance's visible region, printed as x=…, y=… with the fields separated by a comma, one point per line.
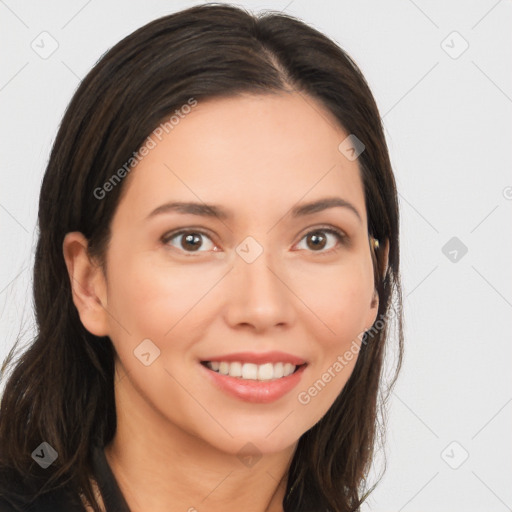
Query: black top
x=61, y=501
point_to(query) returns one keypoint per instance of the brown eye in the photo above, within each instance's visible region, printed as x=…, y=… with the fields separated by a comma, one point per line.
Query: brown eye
x=318, y=239
x=191, y=241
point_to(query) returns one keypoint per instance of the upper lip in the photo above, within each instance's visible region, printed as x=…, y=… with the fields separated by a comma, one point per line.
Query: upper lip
x=259, y=358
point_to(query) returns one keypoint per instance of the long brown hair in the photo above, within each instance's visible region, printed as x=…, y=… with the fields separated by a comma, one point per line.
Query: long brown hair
x=61, y=389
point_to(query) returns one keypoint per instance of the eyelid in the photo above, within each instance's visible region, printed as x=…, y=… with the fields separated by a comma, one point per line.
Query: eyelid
x=324, y=227
x=172, y=234
x=343, y=237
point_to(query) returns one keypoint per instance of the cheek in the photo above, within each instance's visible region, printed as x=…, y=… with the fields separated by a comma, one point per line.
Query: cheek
x=150, y=298
x=343, y=311
x=337, y=302
x=340, y=303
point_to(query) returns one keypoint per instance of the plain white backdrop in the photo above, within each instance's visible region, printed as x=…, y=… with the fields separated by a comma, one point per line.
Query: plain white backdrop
x=441, y=76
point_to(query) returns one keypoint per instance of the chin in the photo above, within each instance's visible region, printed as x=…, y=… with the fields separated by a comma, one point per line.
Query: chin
x=265, y=437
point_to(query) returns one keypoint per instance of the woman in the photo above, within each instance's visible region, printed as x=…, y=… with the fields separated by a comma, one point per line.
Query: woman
x=217, y=258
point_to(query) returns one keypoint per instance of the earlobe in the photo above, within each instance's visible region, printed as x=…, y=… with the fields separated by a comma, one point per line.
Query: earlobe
x=375, y=300
x=372, y=312
x=384, y=259
x=382, y=268
x=87, y=284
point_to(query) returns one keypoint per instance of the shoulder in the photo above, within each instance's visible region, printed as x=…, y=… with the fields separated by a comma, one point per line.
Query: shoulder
x=16, y=493
x=54, y=501
x=7, y=506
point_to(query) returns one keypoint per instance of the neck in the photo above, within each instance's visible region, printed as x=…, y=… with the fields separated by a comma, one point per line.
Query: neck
x=160, y=467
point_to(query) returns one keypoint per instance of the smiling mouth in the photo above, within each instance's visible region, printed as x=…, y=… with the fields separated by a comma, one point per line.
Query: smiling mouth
x=251, y=371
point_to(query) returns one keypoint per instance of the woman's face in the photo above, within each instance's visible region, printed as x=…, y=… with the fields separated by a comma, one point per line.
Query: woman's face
x=262, y=284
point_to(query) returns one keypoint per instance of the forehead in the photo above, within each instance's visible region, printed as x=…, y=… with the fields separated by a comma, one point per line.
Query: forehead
x=249, y=153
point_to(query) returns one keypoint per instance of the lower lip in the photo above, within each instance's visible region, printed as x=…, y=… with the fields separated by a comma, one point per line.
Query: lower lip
x=255, y=391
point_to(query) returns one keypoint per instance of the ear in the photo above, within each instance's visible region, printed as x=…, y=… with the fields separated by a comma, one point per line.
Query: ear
x=88, y=284
x=382, y=257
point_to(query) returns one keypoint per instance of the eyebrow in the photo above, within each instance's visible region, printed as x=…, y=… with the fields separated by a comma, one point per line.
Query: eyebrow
x=212, y=210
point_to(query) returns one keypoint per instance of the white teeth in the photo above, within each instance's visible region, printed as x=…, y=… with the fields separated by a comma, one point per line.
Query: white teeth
x=266, y=371
x=235, y=369
x=251, y=371
x=288, y=369
x=224, y=368
x=278, y=370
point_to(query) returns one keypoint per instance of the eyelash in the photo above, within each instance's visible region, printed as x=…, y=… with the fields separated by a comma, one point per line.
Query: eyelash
x=340, y=235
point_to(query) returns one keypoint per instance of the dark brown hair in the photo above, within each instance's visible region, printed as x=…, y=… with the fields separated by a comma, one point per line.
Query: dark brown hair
x=61, y=389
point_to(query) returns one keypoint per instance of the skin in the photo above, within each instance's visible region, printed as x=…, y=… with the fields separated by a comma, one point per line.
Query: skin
x=178, y=435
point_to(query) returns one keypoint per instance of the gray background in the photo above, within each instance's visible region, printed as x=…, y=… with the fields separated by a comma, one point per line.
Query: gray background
x=447, y=113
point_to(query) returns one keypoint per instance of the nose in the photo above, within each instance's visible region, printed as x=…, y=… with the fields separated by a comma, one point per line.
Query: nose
x=259, y=295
